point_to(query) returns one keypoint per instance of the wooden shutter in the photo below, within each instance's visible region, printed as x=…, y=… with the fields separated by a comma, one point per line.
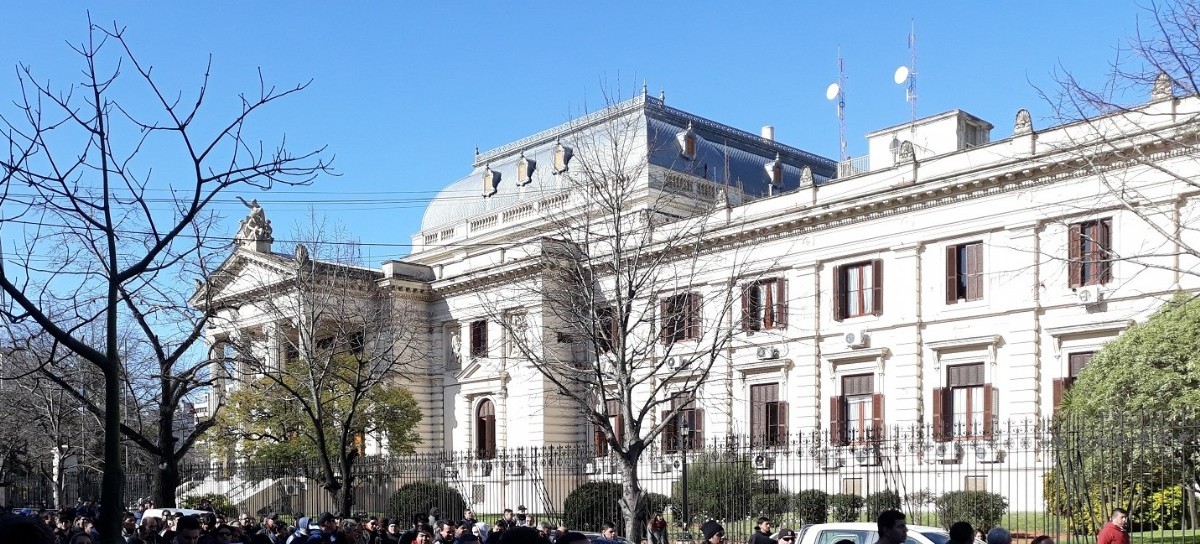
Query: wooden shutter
x=877, y=432
x=664, y=312
x=782, y=439
x=697, y=441
x=693, y=316
x=940, y=396
x=838, y=298
x=1104, y=249
x=600, y=441
x=837, y=421
x=748, y=307
x=951, y=274
x=768, y=306
x=877, y=286
x=670, y=434
x=1074, y=255
x=975, y=271
x=758, y=415
x=1060, y=387
x=781, y=306
x=989, y=410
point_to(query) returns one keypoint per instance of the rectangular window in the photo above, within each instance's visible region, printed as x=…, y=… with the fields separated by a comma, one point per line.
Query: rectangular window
x=975, y=483
x=612, y=407
x=966, y=407
x=764, y=305
x=686, y=429
x=858, y=289
x=479, y=338
x=680, y=317
x=852, y=486
x=1075, y=364
x=606, y=329
x=964, y=272
x=857, y=414
x=768, y=417
x=1089, y=252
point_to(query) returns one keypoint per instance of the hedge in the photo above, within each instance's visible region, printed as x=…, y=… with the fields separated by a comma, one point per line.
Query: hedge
x=421, y=497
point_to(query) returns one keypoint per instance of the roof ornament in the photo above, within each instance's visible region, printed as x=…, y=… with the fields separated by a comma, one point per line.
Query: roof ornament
x=687, y=142
x=722, y=200
x=644, y=90
x=806, y=177
x=662, y=95
x=491, y=180
x=525, y=168
x=1164, y=87
x=906, y=153
x=255, y=230
x=1023, y=124
x=775, y=170
x=301, y=254
x=562, y=157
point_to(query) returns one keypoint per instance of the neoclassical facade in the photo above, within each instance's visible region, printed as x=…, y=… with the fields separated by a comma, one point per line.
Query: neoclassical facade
x=952, y=279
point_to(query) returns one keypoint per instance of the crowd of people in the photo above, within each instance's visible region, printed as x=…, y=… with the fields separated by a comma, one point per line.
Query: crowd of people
x=76, y=526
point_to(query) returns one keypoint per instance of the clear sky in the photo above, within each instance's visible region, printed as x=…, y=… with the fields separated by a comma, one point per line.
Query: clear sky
x=402, y=92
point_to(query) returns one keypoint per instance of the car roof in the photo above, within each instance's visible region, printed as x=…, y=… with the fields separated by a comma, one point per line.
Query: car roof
x=158, y=512
x=870, y=526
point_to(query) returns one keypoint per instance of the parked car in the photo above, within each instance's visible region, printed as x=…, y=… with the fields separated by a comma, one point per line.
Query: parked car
x=866, y=533
x=161, y=513
x=593, y=537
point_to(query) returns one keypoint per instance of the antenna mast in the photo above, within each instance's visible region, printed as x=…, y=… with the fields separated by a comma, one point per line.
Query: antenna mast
x=910, y=94
x=837, y=91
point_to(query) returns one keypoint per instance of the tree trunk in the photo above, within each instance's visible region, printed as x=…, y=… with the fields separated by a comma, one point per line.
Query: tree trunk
x=345, y=493
x=112, y=486
x=631, y=497
x=166, y=474
x=166, y=482
x=56, y=474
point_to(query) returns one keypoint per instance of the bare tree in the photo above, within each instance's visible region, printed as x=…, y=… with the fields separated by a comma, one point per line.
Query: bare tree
x=343, y=338
x=108, y=199
x=630, y=309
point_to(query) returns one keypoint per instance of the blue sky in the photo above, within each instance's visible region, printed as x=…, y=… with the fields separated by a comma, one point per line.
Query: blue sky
x=402, y=92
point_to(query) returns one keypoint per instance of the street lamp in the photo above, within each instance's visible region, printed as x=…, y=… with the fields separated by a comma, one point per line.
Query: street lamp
x=684, y=439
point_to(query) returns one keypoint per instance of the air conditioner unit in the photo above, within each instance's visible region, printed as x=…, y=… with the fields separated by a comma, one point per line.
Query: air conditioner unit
x=450, y=472
x=768, y=353
x=676, y=363
x=677, y=464
x=1089, y=294
x=856, y=339
x=514, y=468
x=831, y=460
x=589, y=468
x=866, y=456
x=987, y=453
x=947, y=452
x=762, y=461
x=659, y=466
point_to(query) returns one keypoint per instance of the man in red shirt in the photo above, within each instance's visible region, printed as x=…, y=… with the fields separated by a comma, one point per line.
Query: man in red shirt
x=1114, y=531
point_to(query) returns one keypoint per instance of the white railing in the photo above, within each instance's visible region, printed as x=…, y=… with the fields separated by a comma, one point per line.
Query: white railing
x=853, y=166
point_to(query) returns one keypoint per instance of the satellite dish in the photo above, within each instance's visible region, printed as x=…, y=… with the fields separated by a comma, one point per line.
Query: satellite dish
x=832, y=91
x=901, y=75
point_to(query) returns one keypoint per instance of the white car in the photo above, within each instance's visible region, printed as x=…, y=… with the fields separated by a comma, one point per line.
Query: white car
x=866, y=533
x=161, y=513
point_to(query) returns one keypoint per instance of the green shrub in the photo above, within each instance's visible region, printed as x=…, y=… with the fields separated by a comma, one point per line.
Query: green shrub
x=654, y=502
x=219, y=502
x=811, y=506
x=720, y=487
x=421, y=497
x=1165, y=508
x=979, y=508
x=596, y=503
x=879, y=501
x=845, y=507
x=771, y=505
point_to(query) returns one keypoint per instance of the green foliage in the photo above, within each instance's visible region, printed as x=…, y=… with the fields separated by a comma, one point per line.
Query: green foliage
x=720, y=487
x=596, y=503
x=771, y=505
x=220, y=504
x=884, y=500
x=654, y=502
x=979, y=508
x=1165, y=508
x=421, y=497
x=811, y=506
x=845, y=507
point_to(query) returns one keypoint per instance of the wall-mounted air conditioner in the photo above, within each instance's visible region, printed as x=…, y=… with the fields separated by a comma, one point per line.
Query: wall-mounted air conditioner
x=947, y=452
x=1088, y=295
x=514, y=468
x=762, y=461
x=987, y=452
x=867, y=456
x=766, y=353
x=831, y=459
x=856, y=339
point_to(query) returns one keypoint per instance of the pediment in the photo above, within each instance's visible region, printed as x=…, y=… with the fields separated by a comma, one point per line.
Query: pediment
x=243, y=273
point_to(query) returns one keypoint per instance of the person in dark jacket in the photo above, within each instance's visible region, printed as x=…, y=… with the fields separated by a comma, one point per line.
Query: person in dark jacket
x=762, y=532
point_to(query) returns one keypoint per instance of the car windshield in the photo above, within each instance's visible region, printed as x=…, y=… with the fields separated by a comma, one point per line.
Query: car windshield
x=936, y=537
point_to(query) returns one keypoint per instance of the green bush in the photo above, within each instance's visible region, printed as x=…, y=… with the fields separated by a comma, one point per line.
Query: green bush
x=720, y=487
x=879, y=501
x=845, y=507
x=595, y=503
x=771, y=505
x=811, y=506
x=421, y=497
x=1165, y=508
x=219, y=502
x=979, y=508
x=654, y=502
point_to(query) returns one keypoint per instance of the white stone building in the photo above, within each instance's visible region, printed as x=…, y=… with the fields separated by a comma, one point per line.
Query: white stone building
x=955, y=280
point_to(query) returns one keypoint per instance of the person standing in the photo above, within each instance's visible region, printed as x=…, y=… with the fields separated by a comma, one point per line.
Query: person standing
x=713, y=531
x=893, y=529
x=657, y=528
x=1115, y=531
x=762, y=532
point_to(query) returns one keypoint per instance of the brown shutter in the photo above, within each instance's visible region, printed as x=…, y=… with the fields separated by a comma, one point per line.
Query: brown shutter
x=768, y=307
x=1060, y=386
x=697, y=441
x=747, y=307
x=838, y=298
x=758, y=415
x=940, y=397
x=783, y=423
x=1074, y=264
x=491, y=437
x=600, y=442
x=951, y=274
x=975, y=271
x=693, y=318
x=670, y=434
x=989, y=410
x=877, y=287
x=781, y=306
x=837, y=421
x=664, y=311
x=877, y=432
x=1104, y=243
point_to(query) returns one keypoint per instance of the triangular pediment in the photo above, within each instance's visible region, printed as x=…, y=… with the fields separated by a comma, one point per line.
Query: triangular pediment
x=243, y=274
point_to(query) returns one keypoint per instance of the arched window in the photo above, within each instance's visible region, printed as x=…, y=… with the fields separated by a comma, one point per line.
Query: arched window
x=485, y=430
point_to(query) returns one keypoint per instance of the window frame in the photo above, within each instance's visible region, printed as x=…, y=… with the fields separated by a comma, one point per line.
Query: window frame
x=768, y=416
x=1089, y=252
x=964, y=272
x=841, y=294
x=616, y=419
x=695, y=416
x=764, y=305
x=479, y=339
x=944, y=406
x=839, y=414
x=680, y=318
x=485, y=430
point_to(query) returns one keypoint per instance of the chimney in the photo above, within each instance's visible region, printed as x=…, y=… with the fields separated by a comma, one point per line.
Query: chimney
x=768, y=133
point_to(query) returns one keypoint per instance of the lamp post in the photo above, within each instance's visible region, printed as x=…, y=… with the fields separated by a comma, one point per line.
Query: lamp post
x=684, y=439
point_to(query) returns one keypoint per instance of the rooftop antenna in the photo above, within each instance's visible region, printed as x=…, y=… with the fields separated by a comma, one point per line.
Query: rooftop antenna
x=837, y=91
x=908, y=74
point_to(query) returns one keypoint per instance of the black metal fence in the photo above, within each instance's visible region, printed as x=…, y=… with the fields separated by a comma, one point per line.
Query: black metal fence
x=1049, y=478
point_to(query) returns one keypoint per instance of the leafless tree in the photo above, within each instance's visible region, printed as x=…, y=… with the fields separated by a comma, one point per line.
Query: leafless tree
x=106, y=188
